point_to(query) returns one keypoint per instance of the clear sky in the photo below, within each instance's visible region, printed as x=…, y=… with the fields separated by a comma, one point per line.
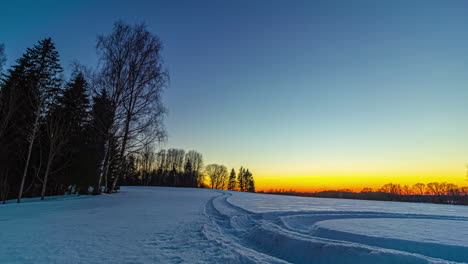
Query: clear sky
x=307, y=94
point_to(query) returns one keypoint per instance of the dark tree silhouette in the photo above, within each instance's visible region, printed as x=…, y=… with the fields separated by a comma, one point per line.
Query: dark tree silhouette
x=41, y=73
x=146, y=163
x=75, y=107
x=250, y=181
x=419, y=188
x=218, y=176
x=133, y=74
x=241, y=180
x=196, y=162
x=232, y=185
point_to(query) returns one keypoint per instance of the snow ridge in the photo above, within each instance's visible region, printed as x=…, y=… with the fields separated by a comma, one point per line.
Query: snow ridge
x=302, y=237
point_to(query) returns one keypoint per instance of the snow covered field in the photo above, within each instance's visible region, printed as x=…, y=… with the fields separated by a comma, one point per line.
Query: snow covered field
x=170, y=225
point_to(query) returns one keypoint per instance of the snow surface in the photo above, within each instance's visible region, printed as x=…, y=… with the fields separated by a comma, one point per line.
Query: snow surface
x=182, y=225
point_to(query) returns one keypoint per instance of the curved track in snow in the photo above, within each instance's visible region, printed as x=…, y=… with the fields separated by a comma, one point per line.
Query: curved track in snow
x=327, y=237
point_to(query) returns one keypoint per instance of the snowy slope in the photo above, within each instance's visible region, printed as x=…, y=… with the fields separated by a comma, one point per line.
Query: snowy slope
x=138, y=225
x=170, y=225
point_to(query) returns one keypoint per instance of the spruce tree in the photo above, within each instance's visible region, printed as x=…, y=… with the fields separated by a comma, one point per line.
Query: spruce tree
x=188, y=174
x=38, y=74
x=232, y=180
x=15, y=116
x=250, y=183
x=75, y=107
x=75, y=104
x=241, y=179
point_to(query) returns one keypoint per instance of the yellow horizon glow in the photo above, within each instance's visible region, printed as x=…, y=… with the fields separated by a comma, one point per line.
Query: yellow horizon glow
x=353, y=182
x=311, y=175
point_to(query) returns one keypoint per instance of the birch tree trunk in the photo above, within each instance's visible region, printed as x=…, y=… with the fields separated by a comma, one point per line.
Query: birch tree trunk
x=28, y=158
x=122, y=153
x=44, y=182
x=105, y=175
x=101, y=169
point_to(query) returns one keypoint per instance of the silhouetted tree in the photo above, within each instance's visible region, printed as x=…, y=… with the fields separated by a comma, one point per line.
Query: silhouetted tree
x=241, y=180
x=391, y=188
x=13, y=117
x=436, y=188
x=188, y=174
x=232, y=185
x=77, y=159
x=131, y=173
x=218, y=176
x=250, y=181
x=133, y=74
x=41, y=73
x=196, y=161
x=418, y=188
x=175, y=160
x=405, y=190
x=147, y=159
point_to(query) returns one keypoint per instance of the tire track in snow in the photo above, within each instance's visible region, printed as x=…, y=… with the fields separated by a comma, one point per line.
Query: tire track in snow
x=221, y=230
x=269, y=238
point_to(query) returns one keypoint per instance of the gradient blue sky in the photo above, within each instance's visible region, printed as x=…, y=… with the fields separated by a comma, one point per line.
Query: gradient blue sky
x=292, y=88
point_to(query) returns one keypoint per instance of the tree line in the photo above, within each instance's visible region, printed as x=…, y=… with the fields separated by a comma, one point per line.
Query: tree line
x=178, y=168
x=92, y=131
x=433, y=192
x=432, y=188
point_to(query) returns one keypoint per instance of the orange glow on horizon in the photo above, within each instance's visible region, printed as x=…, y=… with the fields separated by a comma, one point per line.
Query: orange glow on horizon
x=322, y=175
x=354, y=183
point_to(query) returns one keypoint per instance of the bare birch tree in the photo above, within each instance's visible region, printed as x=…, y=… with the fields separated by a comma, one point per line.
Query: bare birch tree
x=419, y=188
x=133, y=74
x=218, y=175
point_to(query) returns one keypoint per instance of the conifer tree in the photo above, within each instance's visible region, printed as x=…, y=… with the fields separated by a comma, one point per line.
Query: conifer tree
x=250, y=181
x=14, y=116
x=188, y=174
x=40, y=76
x=232, y=180
x=241, y=179
x=75, y=104
x=196, y=161
x=75, y=107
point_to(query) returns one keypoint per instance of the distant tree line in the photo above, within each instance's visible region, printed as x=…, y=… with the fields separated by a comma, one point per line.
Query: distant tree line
x=433, y=192
x=96, y=129
x=178, y=168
